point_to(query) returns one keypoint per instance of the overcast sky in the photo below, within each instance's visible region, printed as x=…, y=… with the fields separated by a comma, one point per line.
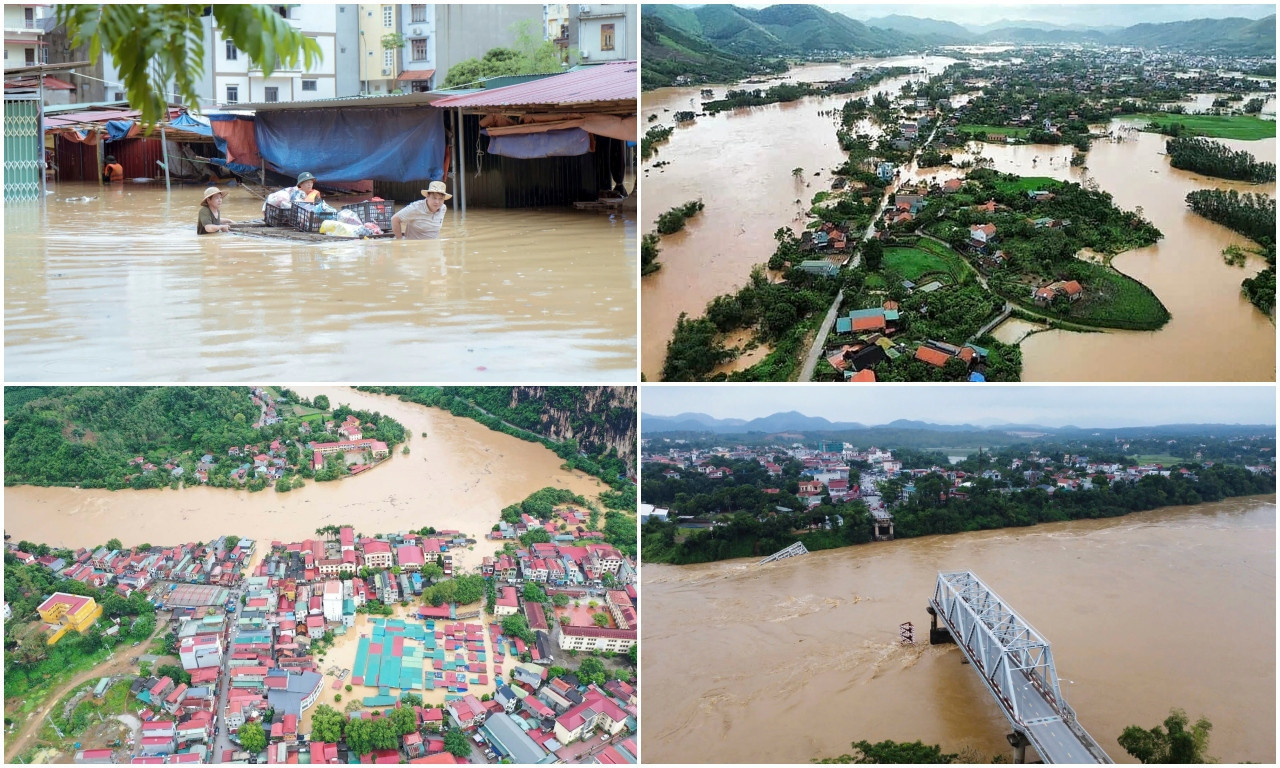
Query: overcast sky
x=1078, y=14
x=984, y=404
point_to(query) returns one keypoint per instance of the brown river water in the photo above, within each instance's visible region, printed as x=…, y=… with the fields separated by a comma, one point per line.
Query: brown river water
x=459, y=476
x=751, y=192
x=121, y=288
x=792, y=661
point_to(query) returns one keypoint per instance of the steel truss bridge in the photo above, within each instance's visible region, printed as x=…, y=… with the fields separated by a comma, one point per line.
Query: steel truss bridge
x=1016, y=665
x=795, y=550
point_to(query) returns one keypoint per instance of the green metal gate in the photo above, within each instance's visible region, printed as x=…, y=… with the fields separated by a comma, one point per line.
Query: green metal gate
x=23, y=147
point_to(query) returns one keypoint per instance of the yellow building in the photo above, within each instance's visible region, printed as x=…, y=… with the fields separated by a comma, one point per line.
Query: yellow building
x=378, y=66
x=68, y=612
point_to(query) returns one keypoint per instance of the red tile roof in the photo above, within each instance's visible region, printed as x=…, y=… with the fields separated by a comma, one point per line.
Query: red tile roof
x=615, y=81
x=932, y=356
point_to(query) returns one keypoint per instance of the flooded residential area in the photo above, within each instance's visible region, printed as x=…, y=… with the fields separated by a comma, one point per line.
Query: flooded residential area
x=114, y=284
x=1196, y=294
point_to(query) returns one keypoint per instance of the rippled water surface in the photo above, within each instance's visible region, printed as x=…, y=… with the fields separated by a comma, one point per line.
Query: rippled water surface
x=793, y=661
x=120, y=287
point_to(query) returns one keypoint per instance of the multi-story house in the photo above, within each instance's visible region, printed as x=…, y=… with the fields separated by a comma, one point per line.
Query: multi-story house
x=417, y=71
x=606, y=33
x=379, y=65
x=25, y=25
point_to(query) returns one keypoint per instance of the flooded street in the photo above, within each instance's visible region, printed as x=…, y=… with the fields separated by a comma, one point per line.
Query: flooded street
x=740, y=164
x=795, y=660
x=459, y=476
x=120, y=287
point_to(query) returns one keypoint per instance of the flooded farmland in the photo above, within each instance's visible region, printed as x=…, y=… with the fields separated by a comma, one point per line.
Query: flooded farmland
x=1168, y=608
x=459, y=476
x=114, y=284
x=740, y=164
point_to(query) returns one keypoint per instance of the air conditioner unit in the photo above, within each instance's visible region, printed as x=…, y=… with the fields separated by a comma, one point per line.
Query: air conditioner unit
x=417, y=31
x=584, y=54
x=386, y=72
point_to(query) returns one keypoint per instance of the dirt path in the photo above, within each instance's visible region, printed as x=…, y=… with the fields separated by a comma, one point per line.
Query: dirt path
x=123, y=662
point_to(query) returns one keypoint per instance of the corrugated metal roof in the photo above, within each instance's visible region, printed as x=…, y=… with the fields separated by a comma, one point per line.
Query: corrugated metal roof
x=606, y=82
x=367, y=100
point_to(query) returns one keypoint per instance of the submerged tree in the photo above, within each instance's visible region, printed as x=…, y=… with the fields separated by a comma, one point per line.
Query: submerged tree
x=893, y=752
x=1174, y=743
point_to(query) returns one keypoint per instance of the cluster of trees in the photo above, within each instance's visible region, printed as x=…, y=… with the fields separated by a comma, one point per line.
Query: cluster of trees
x=88, y=436
x=1214, y=159
x=530, y=54
x=469, y=588
x=363, y=735
x=28, y=661
x=1178, y=742
x=673, y=220
x=541, y=504
x=649, y=254
x=773, y=309
x=1254, y=216
x=785, y=92
x=652, y=138
x=756, y=531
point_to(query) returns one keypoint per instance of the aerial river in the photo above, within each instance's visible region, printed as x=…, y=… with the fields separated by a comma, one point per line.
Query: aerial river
x=115, y=285
x=459, y=477
x=795, y=660
x=740, y=164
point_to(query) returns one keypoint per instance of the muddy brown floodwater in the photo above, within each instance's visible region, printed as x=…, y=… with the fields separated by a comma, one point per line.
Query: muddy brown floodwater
x=459, y=476
x=740, y=164
x=120, y=287
x=1185, y=269
x=792, y=661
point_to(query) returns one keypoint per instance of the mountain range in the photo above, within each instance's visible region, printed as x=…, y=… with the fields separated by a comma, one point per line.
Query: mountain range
x=793, y=421
x=709, y=39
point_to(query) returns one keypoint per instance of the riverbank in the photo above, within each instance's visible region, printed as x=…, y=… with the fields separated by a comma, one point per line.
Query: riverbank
x=661, y=541
x=1241, y=127
x=814, y=639
x=459, y=477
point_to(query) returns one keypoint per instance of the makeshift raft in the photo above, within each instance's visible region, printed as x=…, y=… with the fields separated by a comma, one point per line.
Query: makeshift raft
x=259, y=228
x=608, y=202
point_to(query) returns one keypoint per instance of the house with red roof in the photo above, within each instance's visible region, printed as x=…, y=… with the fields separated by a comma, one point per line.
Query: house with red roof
x=597, y=711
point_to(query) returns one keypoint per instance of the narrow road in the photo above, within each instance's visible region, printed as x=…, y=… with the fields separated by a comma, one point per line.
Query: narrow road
x=122, y=662
x=811, y=360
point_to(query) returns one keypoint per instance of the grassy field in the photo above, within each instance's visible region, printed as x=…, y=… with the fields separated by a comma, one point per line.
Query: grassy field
x=1027, y=184
x=1243, y=127
x=1014, y=131
x=1163, y=458
x=1111, y=300
x=911, y=263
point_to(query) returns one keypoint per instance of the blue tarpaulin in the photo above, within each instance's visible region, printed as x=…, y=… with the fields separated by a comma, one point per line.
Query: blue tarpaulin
x=354, y=144
x=118, y=129
x=527, y=146
x=188, y=123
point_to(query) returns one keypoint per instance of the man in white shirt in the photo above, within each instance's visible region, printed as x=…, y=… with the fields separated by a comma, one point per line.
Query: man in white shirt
x=422, y=220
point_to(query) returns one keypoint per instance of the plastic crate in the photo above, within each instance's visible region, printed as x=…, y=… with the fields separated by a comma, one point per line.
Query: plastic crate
x=377, y=211
x=308, y=218
x=277, y=217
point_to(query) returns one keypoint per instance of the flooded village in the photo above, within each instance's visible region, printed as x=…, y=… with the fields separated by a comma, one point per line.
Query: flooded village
x=706, y=269
x=809, y=538
x=535, y=251
x=458, y=595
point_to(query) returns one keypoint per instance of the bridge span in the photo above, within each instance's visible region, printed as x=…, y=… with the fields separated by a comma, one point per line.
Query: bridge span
x=1015, y=663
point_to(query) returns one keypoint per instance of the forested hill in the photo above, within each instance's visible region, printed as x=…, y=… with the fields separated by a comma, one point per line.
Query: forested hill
x=592, y=428
x=88, y=434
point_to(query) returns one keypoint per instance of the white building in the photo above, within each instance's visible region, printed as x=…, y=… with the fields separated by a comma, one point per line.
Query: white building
x=200, y=652
x=333, y=601
x=24, y=26
x=236, y=81
x=418, y=56
x=605, y=33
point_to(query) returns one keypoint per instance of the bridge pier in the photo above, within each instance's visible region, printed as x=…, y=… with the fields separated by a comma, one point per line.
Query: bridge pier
x=938, y=635
x=1019, y=744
